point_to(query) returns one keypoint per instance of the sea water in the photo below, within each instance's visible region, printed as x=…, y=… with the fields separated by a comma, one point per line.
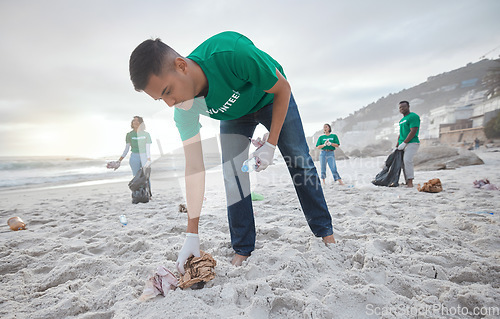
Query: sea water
x=38, y=171
x=31, y=171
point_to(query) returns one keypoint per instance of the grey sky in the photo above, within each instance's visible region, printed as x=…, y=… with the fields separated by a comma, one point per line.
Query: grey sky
x=65, y=85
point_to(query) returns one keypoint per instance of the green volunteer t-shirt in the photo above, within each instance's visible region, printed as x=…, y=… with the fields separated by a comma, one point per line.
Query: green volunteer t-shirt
x=409, y=121
x=238, y=73
x=332, y=138
x=138, y=141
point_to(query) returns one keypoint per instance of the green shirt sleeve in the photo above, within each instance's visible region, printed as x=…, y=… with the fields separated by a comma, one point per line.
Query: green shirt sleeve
x=414, y=121
x=187, y=122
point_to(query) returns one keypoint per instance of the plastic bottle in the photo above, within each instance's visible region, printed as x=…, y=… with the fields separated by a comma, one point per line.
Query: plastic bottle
x=250, y=165
x=123, y=220
x=482, y=212
x=16, y=223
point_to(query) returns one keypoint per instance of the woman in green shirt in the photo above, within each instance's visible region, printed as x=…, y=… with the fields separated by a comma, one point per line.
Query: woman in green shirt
x=139, y=141
x=327, y=143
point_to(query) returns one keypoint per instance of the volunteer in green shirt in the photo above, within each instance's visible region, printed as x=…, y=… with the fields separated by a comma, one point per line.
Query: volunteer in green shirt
x=408, y=141
x=327, y=143
x=139, y=141
x=229, y=79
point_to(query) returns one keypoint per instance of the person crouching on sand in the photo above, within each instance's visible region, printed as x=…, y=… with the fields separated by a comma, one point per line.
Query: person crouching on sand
x=229, y=79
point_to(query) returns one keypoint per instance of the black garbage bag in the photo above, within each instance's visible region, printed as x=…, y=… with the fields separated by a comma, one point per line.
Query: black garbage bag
x=141, y=186
x=389, y=176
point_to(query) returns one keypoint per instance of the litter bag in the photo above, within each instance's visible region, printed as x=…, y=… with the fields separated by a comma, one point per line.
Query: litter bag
x=389, y=176
x=140, y=186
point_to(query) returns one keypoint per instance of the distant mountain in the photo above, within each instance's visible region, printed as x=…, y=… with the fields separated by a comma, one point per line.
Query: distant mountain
x=461, y=87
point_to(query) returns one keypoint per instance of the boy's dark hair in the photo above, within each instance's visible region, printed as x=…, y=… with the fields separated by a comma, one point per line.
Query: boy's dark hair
x=147, y=59
x=407, y=103
x=329, y=127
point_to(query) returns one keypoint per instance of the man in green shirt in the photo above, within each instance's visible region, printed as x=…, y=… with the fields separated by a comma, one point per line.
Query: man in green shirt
x=408, y=141
x=228, y=78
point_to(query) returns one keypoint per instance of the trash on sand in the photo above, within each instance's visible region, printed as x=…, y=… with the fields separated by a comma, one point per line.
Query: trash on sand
x=198, y=269
x=485, y=184
x=16, y=223
x=159, y=284
x=432, y=186
x=482, y=213
x=257, y=196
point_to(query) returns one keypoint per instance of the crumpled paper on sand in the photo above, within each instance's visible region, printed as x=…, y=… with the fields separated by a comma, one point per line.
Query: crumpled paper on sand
x=197, y=269
x=485, y=184
x=159, y=284
x=432, y=186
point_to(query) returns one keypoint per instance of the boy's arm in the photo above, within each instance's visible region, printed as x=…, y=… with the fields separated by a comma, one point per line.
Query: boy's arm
x=195, y=189
x=281, y=91
x=195, y=180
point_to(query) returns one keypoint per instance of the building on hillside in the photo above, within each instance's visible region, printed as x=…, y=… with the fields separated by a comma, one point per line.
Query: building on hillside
x=485, y=111
x=443, y=115
x=366, y=125
x=465, y=130
x=386, y=133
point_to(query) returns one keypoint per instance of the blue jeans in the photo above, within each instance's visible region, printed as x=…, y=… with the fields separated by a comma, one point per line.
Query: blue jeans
x=328, y=157
x=235, y=143
x=136, y=161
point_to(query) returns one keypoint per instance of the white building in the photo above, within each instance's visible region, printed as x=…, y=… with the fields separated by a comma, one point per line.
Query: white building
x=482, y=108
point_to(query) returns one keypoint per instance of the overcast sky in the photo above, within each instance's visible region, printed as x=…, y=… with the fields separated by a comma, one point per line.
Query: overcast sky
x=65, y=87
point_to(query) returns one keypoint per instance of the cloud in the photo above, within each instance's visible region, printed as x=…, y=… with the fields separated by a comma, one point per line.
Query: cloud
x=66, y=61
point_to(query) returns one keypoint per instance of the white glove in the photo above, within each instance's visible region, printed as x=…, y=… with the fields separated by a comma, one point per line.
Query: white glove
x=402, y=146
x=265, y=153
x=191, y=247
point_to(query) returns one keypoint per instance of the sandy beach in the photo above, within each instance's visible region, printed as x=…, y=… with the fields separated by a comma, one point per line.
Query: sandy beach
x=400, y=253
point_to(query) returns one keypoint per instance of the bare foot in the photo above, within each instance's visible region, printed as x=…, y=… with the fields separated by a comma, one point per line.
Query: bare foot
x=341, y=182
x=329, y=240
x=324, y=183
x=409, y=183
x=238, y=260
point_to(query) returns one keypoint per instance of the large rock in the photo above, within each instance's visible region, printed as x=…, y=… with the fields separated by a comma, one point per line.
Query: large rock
x=382, y=148
x=444, y=157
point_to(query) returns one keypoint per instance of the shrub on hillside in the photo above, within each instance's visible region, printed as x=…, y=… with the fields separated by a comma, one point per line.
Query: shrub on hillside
x=492, y=128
